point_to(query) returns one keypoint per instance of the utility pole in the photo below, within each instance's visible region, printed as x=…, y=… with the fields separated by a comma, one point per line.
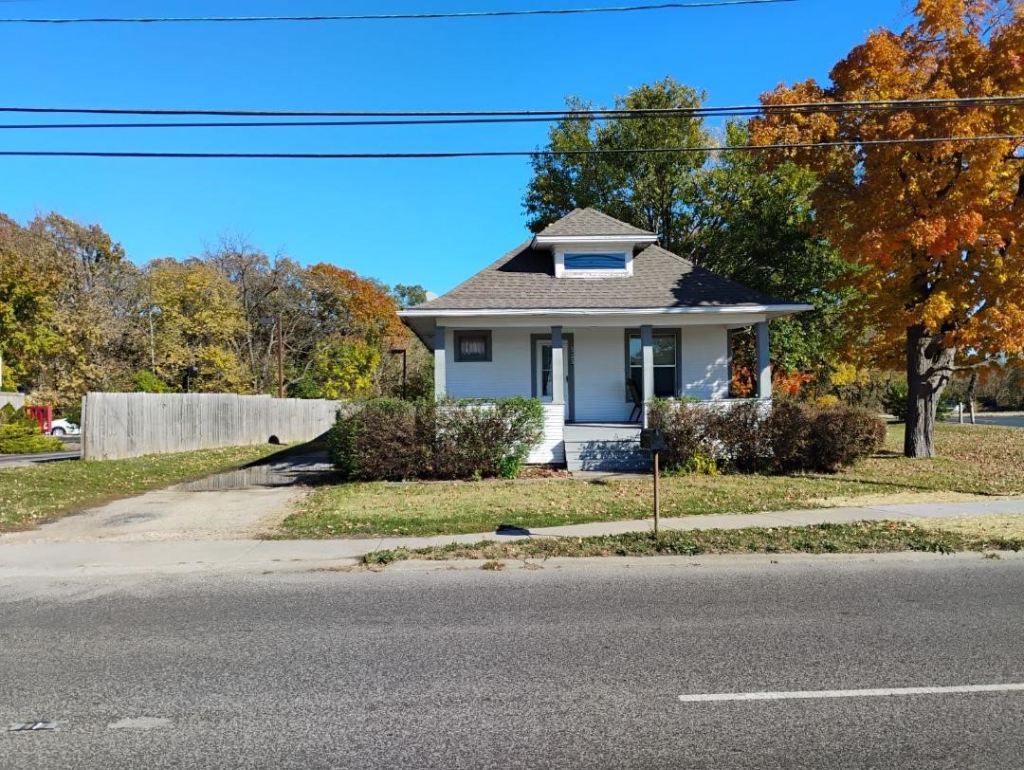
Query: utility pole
x=280, y=359
x=276, y=320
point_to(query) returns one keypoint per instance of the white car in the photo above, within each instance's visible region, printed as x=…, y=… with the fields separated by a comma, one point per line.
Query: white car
x=64, y=427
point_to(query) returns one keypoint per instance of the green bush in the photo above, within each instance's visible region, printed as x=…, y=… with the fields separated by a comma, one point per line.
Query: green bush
x=748, y=438
x=390, y=439
x=145, y=381
x=20, y=434
x=894, y=401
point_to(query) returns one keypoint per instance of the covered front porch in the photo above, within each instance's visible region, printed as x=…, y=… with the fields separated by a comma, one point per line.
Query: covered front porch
x=594, y=379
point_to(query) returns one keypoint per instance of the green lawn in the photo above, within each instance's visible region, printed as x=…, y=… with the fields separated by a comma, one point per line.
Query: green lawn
x=974, y=460
x=34, y=492
x=861, y=537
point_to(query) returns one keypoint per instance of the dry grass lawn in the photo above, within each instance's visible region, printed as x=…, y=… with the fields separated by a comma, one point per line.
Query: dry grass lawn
x=977, y=526
x=973, y=461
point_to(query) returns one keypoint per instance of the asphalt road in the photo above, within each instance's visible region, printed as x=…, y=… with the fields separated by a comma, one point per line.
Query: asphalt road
x=552, y=668
x=1002, y=419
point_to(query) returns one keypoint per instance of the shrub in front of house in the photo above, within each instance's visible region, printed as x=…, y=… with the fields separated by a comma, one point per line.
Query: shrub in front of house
x=379, y=439
x=748, y=438
x=20, y=434
x=390, y=439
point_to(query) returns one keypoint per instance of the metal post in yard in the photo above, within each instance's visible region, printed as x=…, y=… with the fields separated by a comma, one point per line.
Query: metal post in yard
x=653, y=441
x=657, y=492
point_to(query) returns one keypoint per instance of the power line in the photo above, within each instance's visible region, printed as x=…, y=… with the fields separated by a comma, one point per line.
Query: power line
x=497, y=153
x=394, y=16
x=730, y=111
x=499, y=119
x=733, y=110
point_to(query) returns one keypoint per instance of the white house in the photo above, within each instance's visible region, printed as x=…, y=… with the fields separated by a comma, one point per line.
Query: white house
x=576, y=313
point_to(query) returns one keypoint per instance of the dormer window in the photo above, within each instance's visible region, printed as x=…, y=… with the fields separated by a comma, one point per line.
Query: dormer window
x=595, y=261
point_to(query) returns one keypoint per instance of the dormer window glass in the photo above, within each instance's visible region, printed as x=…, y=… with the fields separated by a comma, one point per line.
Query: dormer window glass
x=595, y=261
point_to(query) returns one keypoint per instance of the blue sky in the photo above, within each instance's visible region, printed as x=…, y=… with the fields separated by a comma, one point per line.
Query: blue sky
x=432, y=222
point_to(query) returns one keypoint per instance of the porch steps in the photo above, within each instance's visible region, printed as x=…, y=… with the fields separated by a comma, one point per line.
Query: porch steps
x=605, y=447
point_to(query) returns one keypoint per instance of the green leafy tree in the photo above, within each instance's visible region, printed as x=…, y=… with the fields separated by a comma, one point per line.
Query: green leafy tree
x=649, y=190
x=196, y=323
x=409, y=295
x=756, y=227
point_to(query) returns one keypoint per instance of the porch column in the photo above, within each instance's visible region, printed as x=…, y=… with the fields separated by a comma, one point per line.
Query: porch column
x=440, y=377
x=647, y=347
x=764, y=368
x=557, y=367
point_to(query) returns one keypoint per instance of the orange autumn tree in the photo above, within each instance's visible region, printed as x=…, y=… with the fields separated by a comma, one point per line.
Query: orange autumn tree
x=935, y=229
x=357, y=325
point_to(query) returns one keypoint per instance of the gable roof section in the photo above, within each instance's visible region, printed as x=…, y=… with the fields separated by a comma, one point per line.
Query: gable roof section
x=583, y=222
x=524, y=279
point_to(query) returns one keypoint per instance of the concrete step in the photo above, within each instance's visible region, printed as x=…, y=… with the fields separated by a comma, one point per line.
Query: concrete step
x=606, y=455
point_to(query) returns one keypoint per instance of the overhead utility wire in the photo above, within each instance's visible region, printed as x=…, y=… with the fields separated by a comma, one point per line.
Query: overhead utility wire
x=393, y=16
x=1019, y=102
x=495, y=153
x=738, y=110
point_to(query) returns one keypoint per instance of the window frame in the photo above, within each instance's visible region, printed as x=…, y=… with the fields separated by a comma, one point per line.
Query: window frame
x=566, y=256
x=460, y=334
x=677, y=334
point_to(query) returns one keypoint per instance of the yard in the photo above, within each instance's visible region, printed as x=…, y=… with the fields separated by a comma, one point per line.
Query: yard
x=973, y=461
x=36, y=492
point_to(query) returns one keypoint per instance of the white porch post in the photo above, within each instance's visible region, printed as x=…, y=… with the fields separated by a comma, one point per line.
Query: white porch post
x=440, y=378
x=557, y=367
x=764, y=367
x=647, y=346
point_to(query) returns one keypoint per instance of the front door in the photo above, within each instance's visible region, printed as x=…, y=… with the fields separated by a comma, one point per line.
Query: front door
x=543, y=384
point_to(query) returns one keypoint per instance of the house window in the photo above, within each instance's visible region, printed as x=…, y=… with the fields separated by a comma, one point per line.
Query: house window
x=545, y=370
x=666, y=363
x=595, y=261
x=472, y=346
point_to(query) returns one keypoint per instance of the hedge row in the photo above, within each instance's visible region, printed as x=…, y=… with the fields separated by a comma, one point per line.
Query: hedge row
x=20, y=434
x=390, y=439
x=750, y=438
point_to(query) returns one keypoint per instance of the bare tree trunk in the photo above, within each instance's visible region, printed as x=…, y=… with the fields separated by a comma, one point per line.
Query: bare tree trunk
x=929, y=366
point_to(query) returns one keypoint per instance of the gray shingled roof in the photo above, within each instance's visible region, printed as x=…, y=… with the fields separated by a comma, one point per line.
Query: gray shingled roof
x=524, y=279
x=589, y=222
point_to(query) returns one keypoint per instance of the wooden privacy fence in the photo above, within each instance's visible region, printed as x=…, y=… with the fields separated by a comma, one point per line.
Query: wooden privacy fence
x=17, y=400
x=118, y=425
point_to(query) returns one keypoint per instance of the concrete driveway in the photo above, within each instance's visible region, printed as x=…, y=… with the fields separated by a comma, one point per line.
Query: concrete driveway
x=228, y=506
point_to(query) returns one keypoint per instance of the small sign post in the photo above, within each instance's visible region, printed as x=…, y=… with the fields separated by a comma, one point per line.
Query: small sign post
x=653, y=441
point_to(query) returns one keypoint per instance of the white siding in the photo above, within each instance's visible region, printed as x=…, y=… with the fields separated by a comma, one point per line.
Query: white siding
x=506, y=374
x=600, y=359
x=705, y=362
x=552, y=449
x=600, y=374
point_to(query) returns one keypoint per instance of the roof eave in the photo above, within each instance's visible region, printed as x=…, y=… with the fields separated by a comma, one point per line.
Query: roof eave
x=553, y=240
x=772, y=310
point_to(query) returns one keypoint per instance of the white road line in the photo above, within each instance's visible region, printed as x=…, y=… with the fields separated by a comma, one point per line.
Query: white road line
x=867, y=693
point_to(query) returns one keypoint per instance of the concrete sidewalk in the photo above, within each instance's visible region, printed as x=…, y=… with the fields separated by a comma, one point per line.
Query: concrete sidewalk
x=220, y=556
